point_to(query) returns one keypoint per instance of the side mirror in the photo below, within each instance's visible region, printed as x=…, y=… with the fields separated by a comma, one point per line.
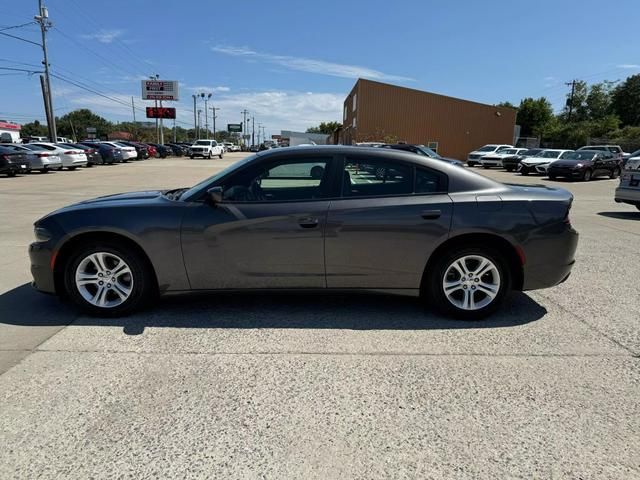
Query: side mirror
x=214, y=195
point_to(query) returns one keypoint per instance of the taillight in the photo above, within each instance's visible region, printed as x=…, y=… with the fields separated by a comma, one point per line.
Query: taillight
x=41, y=155
x=70, y=152
x=6, y=157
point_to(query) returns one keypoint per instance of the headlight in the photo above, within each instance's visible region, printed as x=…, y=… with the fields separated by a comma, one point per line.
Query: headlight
x=41, y=234
x=579, y=165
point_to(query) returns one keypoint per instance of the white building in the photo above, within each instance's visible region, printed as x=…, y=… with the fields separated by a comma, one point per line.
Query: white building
x=9, y=132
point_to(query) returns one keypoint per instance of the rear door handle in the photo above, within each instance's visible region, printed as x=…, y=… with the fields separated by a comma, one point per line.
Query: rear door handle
x=308, y=222
x=431, y=214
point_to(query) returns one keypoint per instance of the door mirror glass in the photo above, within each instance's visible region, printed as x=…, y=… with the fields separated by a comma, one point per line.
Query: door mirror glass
x=215, y=195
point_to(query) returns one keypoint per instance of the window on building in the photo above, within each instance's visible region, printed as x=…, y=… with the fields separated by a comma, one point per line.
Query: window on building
x=344, y=115
x=354, y=122
x=433, y=146
x=355, y=98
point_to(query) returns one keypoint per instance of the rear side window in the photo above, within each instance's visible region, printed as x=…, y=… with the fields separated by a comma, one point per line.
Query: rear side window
x=376, y=177
x=429, y=181
x=615, y=149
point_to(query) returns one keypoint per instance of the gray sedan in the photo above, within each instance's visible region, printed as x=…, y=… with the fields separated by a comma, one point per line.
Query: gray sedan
x=313, y=218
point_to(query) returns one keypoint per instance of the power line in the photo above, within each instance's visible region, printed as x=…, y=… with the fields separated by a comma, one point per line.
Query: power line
x=17, y=26
x=20, y=38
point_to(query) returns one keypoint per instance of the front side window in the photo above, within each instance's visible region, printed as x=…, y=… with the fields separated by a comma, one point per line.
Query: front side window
x=374, y=177
x=278, y=181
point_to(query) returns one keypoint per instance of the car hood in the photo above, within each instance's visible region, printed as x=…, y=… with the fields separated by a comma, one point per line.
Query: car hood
x=570, y=163
x=537, y=160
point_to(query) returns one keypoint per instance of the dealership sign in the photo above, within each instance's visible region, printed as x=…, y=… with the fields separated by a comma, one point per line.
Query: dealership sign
x=159, y=90
x=234, y=127
x=161, y=112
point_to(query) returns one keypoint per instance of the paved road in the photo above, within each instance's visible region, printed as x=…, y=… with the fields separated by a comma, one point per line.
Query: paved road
x=320, y=386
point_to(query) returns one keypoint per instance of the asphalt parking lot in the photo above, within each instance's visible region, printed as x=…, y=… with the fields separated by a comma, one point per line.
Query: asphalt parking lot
x=320, y=386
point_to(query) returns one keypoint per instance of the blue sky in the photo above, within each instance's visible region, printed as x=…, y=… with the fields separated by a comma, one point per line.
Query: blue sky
x=291, y=63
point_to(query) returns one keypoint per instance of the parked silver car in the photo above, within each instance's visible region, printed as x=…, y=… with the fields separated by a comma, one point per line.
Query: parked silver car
x=39, y=158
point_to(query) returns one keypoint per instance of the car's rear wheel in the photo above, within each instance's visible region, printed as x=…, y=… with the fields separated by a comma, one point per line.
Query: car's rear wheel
x=11, y=174
x=107, y=279
x=552, y=177
x=586, y=176
x=615, y=174
x=221, y=155
x=468, y=283
x=509, y=169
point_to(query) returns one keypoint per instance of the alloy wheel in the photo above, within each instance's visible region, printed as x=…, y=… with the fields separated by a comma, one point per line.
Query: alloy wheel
x=104, y=279
x=471, y=282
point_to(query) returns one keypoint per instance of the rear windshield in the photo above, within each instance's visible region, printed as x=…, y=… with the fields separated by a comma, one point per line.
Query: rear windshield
x=203, y=142
x=549, y=154
x=487, y=148
x=632, y=165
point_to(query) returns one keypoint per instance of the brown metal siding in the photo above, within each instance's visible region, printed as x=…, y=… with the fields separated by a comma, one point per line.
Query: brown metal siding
x=459, y=126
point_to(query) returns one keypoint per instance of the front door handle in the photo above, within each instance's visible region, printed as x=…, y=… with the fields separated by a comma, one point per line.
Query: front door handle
x=308, y=222
x=431, y=214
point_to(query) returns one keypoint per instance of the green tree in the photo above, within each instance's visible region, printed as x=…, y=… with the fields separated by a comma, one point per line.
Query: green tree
x=325, y=127
x=578, y=103
x=507, y=104
x=79, y=120
x=34, y=129
x=625, y=101
x=533, y=114
x=598, y=101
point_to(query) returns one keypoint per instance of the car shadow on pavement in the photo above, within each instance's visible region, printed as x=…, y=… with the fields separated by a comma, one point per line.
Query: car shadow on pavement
x=621, y=215
x=25, y=306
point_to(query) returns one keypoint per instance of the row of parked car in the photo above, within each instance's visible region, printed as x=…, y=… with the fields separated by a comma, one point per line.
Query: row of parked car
x=584, y=163
x=45, y=156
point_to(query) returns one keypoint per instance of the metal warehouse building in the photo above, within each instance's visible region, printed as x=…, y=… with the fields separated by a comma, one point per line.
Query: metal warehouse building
x=376, y=111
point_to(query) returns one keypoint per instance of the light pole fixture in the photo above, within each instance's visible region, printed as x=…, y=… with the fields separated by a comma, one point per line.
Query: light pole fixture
x=195, y=121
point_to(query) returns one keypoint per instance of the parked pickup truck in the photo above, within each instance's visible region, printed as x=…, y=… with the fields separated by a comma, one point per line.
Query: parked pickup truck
x=206, y=149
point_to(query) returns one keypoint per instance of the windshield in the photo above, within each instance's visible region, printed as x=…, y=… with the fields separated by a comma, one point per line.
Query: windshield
x=509, y=151
x=578, y=155
x=632, y=165
x=487, y=148
x=549, y=154
x=199, y=186
x=427, y=151
x=203, y=142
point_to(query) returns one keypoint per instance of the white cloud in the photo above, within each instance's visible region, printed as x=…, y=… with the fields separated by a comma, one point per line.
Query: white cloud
x=104, y=36
x=629, y=66
x=207, y=89
x=309, y=65
x=276, y=109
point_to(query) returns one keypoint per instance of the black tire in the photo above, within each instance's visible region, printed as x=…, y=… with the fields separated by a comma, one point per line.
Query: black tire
x=471, y=164
x=209, y=155
x=615, y=173
x=524, y=171
x=221, y=155
x=509, y=169
x=638, y=207
x=143, y=288
x=434, y=277
x=552, y=177
x=486, y=167
x=71, y=168
x=191, y=157
x=44, y=170
x=11, y=174
x=586, y=176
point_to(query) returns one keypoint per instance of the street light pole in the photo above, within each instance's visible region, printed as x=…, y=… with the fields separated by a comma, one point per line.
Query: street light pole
x=253, y=130
x=199, y=112
x=195, y=122
x=45, y=24
x=245, y=126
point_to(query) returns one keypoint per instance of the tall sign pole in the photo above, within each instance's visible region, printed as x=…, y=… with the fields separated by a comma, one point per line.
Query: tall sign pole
x=245, y=127
x=45, y=24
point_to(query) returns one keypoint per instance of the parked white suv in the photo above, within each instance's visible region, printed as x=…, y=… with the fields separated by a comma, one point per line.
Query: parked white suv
x=206, y=149
x=495, y=159
x=474, y=157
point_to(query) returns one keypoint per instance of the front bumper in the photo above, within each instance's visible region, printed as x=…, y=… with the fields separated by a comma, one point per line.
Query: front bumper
x=564, y=172
x=40, y=255
x=628, y=195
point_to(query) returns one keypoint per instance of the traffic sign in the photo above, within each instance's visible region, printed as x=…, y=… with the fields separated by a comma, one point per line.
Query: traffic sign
x=234, y=127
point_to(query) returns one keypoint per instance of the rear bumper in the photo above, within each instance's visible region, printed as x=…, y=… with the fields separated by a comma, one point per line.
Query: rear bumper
x=628, y=195
x=550, y=257
x=40, y=257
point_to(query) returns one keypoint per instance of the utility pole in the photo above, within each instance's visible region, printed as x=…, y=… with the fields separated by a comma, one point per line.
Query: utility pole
x=199, y=112
x=45, y=24
x=259, y=127
x=174, y=130
x=253, y=130
x=572, y=84
x=214, y=116
x=133, y=107
x=245, y=127
x=264, y=136
x=161, y=128
x=206, y=112
x=45, y=96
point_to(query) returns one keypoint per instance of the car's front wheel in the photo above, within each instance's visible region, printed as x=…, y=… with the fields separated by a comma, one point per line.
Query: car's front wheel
x=615, y=174
x=468, y=283
x=586, y=176
x=107, y=279
x=221, y=155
